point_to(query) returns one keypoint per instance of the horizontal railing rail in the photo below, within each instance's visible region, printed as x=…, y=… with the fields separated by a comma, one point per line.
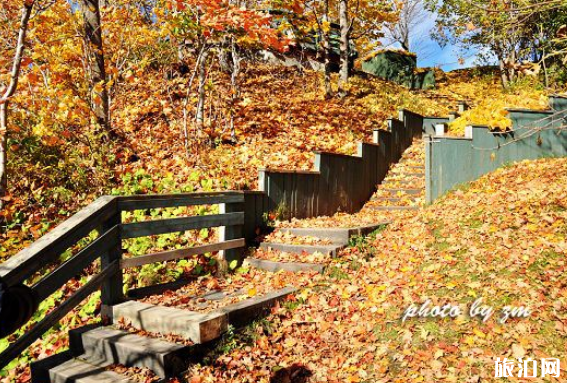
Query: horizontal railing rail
x=105, y=216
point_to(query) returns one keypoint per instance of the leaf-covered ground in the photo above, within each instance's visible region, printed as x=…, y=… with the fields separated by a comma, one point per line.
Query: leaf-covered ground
x=502, y=239
x=280, y=118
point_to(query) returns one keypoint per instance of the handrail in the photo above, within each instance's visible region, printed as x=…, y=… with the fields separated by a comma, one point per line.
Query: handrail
x=104, y=215
x=30, y=260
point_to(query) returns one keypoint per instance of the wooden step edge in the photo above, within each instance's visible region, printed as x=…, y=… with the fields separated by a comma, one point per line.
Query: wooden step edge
x=339, y=235
x=195, y=326
x=393, y=208
x=275, y=266
x=79, y=371
x=106, y=345
x=243, y=313
x=299, y=249
x=406, y=191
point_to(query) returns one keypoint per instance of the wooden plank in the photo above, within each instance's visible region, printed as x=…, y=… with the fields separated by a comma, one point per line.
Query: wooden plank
x=143, y=229
x=294, y=267
x=112, y=291
x=250, y=216
x=76, y=264
x=152, y=201
x=227, y=233
x=143, y=292
x=15, y=349
x=48, y=248
x=181, y=253
x=242, y=313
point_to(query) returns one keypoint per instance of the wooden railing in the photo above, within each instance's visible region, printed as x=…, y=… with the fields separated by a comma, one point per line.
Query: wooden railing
x=104, y=215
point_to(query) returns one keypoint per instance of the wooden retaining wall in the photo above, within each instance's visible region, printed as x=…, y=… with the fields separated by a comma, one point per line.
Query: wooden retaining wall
x=451, y=161
x=339, y=182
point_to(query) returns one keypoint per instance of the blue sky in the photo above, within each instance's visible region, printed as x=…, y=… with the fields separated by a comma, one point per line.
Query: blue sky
x=430, y=54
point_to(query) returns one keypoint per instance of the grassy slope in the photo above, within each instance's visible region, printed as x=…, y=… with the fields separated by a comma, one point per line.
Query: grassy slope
x=503, y=239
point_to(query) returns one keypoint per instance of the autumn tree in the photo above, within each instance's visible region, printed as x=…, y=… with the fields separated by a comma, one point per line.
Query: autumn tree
x=206, y=27
x=10, y=90
x=100, y=102
x=361, y=23
x=411, y=14
x=509, y=30
x=344, y=46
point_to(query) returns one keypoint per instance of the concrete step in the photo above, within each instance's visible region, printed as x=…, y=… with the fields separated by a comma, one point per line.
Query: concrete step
x=106, y=345
x=198, y=327
x=395, y=191
x=275, y=266
x=339, y=236
x=79, y=371
x=394, y=208
x=332, y=250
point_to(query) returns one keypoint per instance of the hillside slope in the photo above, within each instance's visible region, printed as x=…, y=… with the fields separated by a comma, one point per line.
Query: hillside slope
x=280, y=118
x=503, y=239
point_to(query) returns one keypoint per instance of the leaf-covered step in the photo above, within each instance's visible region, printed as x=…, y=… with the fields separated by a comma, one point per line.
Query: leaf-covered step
x=396, y=191
x=275, y=266
x=393, y=208
x=79, y=371
x=106, y=345
x=339, y=236
x=196, y=326
x=331, y=250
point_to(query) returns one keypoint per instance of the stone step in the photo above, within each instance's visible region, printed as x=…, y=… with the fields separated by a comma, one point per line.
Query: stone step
x=105, y=345
x=395, y=191
x=198, y=327
x=331, y=250
x=339, y=236
x=275, y=266
x=394, y=208
x=75, y=371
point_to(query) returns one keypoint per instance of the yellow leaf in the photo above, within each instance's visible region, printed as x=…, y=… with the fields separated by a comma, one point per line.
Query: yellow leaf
x=479, y=333
x=518, y=351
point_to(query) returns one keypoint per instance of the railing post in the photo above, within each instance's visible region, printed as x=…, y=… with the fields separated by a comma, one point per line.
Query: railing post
x=231, y=232
x=112, y=288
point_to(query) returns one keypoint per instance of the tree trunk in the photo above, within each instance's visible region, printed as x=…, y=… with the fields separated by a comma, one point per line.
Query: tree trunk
x=202, y=76
x=12, y=87
x=344, y=47
x=100, y=102
x=326, y=51
x=3, y=151
x=503, y=73
x=235, y=88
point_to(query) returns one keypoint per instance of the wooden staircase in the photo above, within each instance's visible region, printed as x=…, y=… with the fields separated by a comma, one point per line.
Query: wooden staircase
x=403, y=189
x=96, y=351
